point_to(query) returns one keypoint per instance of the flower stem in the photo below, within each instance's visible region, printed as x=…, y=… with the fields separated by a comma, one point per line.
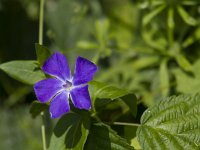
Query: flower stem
x=41, y=22
x=43, y=132
x=125, y=124
x=41, y=25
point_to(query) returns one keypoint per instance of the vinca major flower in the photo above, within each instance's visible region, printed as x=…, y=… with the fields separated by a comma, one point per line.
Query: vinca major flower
x=62, y=85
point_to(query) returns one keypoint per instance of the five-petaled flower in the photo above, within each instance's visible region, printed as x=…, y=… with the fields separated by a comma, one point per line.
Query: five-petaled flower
x=62, y=84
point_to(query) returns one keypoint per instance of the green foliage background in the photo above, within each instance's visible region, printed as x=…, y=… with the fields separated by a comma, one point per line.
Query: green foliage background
x=148, y=47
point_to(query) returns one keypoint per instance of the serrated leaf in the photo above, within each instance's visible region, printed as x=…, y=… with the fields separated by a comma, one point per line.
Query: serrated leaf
x=147, y=18
x=102, y=137
x=25, y=71
x=42, y=53
x=186, y=17
x=37, y=108
x=173, y=123
x=71, y=132
x=102, y=94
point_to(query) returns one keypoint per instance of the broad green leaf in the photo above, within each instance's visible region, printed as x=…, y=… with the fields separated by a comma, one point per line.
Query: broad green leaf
x=42, y=53
x=102, y=137
x=37, y=108
x=147, y=18
x=186, y=17
x=173, y=123
x=164, y=78
x=27, y=72
x=184, y=63
x=102, y=94
x=71, y=132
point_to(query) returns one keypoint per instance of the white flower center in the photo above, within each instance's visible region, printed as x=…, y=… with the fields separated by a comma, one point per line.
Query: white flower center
x=67, y=85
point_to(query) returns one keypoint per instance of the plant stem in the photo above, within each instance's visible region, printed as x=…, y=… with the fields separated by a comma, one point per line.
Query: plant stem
x=41, y=25
x=126, y=124
x=43, y=132
x=41, y=22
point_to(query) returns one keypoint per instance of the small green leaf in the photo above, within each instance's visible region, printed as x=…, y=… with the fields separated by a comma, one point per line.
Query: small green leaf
x=135, y=144
x=184, y=63
x=164, y=78
x=187, y=83
x=102, y=137
x=147, y=18
x=37, y=108
x=71, y=132
x=86, y=45
x=101, y=27
x=102, y=94
x=170, y=19
x=43, y=53
x=186, y=17
x=173, y=123
x=195, y=36
x=27, y=72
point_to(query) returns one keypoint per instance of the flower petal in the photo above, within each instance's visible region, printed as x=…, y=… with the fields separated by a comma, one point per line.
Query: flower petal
x=59, y=105
x=84, y=71
x=57, y=66
x=80, y=97
x=47, y=88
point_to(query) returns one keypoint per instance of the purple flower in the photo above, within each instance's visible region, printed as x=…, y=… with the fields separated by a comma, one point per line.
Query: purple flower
x=63, y=85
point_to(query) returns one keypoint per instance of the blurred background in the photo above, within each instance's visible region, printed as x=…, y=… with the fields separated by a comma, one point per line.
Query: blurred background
x=150, y=47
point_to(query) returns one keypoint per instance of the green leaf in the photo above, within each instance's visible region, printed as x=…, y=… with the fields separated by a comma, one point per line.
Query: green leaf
x=147, y=18
x=164, y=78
x=170, y=19
x=71, y=132
x=173, y=123
x=195, y=36
x=102, y=94
x=37, y=108
x=186, y=83
x=102, y=137
x=186, y=17
x=87, y=45
x=184, y=63
x=135, y=144
x=27, y=72
x=43, y=53
x=101, y=27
